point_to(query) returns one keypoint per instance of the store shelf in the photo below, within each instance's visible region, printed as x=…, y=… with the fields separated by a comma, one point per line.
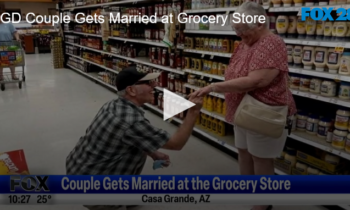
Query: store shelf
x=141, y=60
x=212, y=54
x=140, y=41
x=210, y=32
x=332, y=100
x=87, y=34
x=99, y=65
x=297, y=9
x=212, y=10
x=204, y=74
x=92, y=77
x=320, y=74
x=314, y=141
x=214, y=115
x=314, y=42
x=212, y=94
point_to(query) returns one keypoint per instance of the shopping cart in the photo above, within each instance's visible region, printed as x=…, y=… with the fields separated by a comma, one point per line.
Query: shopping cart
x=12, y=54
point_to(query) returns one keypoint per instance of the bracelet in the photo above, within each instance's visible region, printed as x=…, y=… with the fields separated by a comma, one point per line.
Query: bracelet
x=212, y=86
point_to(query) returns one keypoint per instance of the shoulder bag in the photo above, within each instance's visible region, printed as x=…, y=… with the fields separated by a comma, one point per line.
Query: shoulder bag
x=261, y=118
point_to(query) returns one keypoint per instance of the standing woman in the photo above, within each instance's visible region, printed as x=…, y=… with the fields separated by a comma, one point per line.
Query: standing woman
x=7, y=33
x=259, y=65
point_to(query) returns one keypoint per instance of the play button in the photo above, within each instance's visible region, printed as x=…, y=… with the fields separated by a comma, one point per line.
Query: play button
x=174, y=104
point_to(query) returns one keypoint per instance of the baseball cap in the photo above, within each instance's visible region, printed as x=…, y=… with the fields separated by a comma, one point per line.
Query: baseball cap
x=131, y=75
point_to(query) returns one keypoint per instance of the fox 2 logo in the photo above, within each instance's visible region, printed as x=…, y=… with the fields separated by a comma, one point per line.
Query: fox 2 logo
x=204, y=199
x=29, y=183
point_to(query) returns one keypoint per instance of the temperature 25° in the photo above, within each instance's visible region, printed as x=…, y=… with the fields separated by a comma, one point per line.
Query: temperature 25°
x=43, y=198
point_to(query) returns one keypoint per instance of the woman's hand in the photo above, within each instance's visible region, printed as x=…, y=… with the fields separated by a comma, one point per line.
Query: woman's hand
x=201, y=92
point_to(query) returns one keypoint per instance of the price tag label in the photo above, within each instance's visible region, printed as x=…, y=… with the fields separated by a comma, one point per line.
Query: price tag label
x=333, y=100
x=339, y=49
x=328, y=149
x=203, y=55
x=202, y=76
x=337, y=77
x=210, y=79
x=212, y=56
x=227, y=12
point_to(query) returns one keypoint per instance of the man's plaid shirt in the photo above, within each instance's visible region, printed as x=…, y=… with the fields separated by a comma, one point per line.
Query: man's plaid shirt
x=116, y=142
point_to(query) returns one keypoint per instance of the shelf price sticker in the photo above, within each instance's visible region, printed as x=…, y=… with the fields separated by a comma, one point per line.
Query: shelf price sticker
x=339, y=48
x=333, y=100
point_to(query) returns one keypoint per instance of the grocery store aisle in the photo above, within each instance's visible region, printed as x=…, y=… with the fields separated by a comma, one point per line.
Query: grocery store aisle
x=55, y=106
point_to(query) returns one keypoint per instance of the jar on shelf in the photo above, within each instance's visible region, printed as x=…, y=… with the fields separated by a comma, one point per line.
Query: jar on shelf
x=304, y=83
x=315, y=85
x=328, y=88
x=344, y=90
x=290, y=157
x=301, y=121
x=323, y=127
x=339, y=138
x=347, y=144
x=342, y=119
x=312, y=124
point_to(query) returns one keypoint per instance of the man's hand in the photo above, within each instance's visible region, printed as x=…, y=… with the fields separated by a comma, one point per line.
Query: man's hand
x=196, y=100
x=160, y=156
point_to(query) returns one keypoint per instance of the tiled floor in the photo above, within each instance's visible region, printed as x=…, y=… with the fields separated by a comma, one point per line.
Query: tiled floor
x=47, y=117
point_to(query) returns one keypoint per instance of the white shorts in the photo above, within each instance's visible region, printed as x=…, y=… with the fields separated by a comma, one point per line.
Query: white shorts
x=259, y=145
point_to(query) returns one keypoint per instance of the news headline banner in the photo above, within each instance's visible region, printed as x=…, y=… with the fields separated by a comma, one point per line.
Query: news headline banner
x=174, y=184
x=177, y=189
x=118, y=18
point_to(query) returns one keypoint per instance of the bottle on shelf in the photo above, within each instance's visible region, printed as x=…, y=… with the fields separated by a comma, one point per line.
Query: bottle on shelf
x=321, y=55
x=330, y=132
x=219, y=106
x=221, y=128
x=339, y=138
x=323, y=127
x=320, y=29
x=308, y=57
x=209, y=122
x=344, y=90
x=344, y=67
x=301, y=28
x=282, y=25
x=290, y=54
x=333, y=61
x=214, y=125
x=341, y=30
x=203, y=120
x=209, y=103
x=297, y=56
x=327, y=33
x=292, y=27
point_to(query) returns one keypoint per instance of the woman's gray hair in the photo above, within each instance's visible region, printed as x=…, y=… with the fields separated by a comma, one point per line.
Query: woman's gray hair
x=251, y=8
